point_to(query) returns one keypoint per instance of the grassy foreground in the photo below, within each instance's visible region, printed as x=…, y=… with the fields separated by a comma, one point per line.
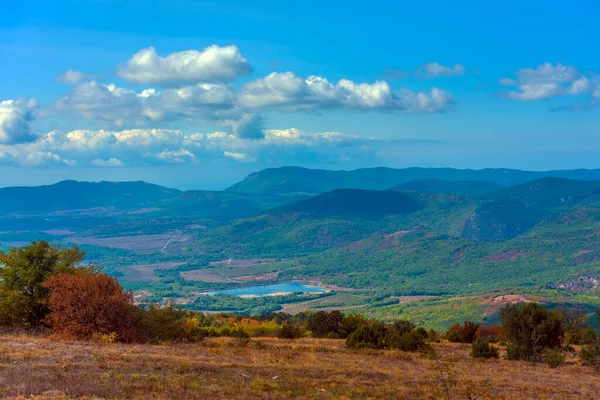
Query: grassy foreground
x=268, y=368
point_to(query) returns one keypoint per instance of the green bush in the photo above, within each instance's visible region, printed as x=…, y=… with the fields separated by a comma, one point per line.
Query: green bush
x=168, y=324
x=554, y=358
x=326, y=324
x=351, y=323
x=402, y=326
x=423, y=332
x=481, y=348
x=289, y=331
x=369, y=336
x=409, y=341
x=453, y=336
x=515, y=352
x=530, y=329
x=590, y=353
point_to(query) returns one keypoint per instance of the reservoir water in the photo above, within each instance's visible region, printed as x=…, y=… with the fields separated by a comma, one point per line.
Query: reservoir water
x=271, y=290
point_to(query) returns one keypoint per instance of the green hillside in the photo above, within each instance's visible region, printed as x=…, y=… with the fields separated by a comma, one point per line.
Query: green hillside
x=501, y=219
x=355, y=202
x=469, y=188
x=549, y=192
x=69, y=195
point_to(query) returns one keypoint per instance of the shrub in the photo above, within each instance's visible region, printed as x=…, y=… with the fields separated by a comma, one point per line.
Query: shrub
x=423, y=332
x=530, y=328
x=515, y=352
x=409, y=341
x=23, y=298
x=491, y=333
x=351, y=323
x=84, y=306
x=432, y=336
x=168, y=324
x=370, y=336
x=326, y=324
x=289, y=331
x=403, y=326
x=590, y=353
x=453, y=336
x=465, y=333
x=481, y=348
x=242, y=338
x=554, y=358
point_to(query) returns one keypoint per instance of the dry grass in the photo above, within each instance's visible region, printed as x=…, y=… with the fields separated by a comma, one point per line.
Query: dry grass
x=272, y=369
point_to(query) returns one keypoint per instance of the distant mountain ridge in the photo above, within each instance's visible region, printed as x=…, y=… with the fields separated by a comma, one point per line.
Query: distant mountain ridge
x=69, y=195
x=274, y=187
x=297, y=180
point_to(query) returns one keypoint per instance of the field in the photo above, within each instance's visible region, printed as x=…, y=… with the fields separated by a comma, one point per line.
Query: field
x=270, y=368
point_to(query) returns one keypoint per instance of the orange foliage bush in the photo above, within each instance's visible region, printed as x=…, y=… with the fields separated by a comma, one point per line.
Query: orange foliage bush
x=494, y=331
x=464, y=333
x=87, y=306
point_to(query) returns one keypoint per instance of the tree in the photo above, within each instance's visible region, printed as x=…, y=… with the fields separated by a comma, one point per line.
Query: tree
x=84, y=306
x=23, y=298
x=326, y=323
x=530, y=328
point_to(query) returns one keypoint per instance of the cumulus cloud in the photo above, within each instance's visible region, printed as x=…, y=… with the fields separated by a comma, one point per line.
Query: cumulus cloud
x=15, y=120
x=212, y=64
x=248, y=126
x=71, y=77
x=546, y=81
x=434, y=70
x=288, y=91
x=139, y=147
x=120, y=106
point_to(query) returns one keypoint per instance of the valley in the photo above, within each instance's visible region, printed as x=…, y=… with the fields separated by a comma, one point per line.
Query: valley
x=433, y=245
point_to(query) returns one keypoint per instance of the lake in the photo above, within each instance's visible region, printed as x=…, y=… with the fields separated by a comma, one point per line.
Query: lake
x=271, y=290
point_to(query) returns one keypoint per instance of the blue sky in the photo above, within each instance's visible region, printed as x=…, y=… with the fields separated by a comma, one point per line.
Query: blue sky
x=196, y=94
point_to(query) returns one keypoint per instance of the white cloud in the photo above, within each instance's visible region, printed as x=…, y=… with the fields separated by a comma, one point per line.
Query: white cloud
x=71, y=77
x=122, y=107
x=288, y=91
x=15, y=119
x=180, y=156
x=213, y=63
x=434, y=70
x=139, y=147
x=111, y=162
x=546, y=81
x=237, y=156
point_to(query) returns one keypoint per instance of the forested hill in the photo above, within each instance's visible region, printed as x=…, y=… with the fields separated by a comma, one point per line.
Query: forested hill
x=295, y=180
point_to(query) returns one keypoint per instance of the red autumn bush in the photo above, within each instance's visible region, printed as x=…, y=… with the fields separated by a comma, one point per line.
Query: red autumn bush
x=464, y=333
x=86, y=306
x=493, y=332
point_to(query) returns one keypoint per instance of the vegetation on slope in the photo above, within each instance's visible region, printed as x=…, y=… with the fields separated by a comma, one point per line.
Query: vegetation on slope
x=468, y=188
